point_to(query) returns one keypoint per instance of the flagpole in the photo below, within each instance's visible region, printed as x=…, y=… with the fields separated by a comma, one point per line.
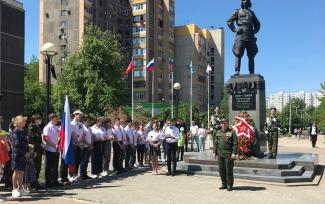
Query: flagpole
x=152, y=93
x=208, y=100
x=132, y=96
x=191, y=94
x=172, y=87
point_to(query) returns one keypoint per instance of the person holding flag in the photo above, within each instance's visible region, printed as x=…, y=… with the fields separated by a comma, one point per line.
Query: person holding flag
x=51, y=140
x=66, y=145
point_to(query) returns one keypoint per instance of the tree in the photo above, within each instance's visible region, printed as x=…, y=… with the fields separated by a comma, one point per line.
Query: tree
x=93, y=77
x=34, y=90
x=224, y=106
x=319, y=117
x=297, y=108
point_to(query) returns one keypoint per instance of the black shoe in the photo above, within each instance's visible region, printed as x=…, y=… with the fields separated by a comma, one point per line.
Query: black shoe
x=270, y=157
x=173, y=174
x=168, y=174
x=57, y=184
x=229, y=188
x=85, y=178
x=223, y=187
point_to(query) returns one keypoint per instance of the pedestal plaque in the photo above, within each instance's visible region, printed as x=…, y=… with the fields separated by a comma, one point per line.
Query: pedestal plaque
x=247, y=92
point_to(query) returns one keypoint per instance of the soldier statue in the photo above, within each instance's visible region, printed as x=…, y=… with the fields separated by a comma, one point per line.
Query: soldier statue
x=226, y=150
x=247, y=26
x=272, y=131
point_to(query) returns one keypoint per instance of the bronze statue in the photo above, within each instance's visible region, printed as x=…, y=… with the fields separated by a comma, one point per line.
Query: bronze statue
x=247, y=26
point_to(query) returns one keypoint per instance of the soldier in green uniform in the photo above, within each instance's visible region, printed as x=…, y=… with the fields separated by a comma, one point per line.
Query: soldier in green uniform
x=225, y=143
x=35, y=138
x=272, y=130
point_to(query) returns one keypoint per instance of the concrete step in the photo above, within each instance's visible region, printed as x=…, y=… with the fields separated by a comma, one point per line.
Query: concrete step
x=307, y=176
x=295, y=171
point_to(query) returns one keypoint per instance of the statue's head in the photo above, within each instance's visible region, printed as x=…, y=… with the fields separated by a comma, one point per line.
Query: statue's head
x=246, y=4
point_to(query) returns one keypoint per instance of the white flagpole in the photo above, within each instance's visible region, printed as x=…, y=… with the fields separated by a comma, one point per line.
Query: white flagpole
x=191, y=94
x=208, y=100
x=152, y=93
x=172, y=87
x=132, y=96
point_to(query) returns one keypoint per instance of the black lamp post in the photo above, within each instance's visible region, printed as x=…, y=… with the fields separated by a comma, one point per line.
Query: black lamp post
x=48, y=51
x=177, y=87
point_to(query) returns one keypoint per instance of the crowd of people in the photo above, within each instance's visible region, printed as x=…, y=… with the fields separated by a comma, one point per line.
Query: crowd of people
x=130, y=144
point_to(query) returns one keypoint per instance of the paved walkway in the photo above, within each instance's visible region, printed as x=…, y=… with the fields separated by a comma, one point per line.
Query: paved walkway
x=140, y=187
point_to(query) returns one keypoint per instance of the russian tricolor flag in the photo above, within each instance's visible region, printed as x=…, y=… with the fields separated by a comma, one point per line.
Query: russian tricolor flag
x=171, y=64
x=151, y=65
x=66, y=145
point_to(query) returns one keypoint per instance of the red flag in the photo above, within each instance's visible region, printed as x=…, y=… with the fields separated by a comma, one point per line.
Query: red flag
x=130, y=67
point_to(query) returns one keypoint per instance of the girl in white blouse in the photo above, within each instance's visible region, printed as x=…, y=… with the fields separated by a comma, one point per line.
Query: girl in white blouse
x=154, y=140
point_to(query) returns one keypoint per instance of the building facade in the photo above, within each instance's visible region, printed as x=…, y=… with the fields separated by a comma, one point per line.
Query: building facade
x=281, y=99
x=201, y=47
x=153, y=38
x=12, y=39
x=63, y=23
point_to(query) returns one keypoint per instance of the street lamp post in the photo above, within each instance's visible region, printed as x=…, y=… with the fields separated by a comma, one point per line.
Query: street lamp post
x=48, y=51
x=177, y=87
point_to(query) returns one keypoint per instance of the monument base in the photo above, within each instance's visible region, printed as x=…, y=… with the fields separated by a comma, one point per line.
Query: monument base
x=247, y=93
x=287, y=168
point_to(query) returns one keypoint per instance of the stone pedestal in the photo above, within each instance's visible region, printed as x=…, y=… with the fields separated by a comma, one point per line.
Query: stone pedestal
x=247, y=92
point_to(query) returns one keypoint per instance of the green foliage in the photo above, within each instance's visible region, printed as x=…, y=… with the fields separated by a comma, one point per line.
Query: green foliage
x=298, y=107
x=93, y=77
x=224, y=107
x=34, y=91
x=320, y=111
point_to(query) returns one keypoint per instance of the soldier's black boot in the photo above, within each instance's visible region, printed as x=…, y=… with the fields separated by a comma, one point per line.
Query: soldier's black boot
x=229, y=188
x=273, y=156
x=223, y=187
x=270, y=156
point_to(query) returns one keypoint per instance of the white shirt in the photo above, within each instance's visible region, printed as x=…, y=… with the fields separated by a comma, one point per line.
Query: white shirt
x=52, y=133
x=313, y=130
x=154, y=136
x=87, y=132
x=194, y=130
x=202, y=132
x=118, y=132
x=130, y=134
x=171, y=131
x=77, y=128
x=98, y=132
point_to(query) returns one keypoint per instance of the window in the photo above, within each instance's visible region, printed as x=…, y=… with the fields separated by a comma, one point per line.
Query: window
x=140, y=18
x=212, y=96
x=139, y=51
x=63, y=47
x=139, y=95
x=212, y=50
x=212, y=87
x=139, y=63
x=137, y=7
x=63, y=24
x=139, y=73
x=139, y=29
x=212, y=79
x=139, y=40
x=139, y=84
x=65, y=12
x=89, y=10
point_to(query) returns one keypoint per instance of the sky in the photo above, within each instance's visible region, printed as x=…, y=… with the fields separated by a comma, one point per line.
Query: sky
x=291, y=40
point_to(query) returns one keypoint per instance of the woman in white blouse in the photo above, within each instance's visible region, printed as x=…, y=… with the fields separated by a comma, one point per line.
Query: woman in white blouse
x=154, y=140
x=141, y=141
x=97, y=155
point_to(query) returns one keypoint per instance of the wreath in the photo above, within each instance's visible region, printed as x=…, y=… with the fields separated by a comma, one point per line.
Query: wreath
x=244, y=127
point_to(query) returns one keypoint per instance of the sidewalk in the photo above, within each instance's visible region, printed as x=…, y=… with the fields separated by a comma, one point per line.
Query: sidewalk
x=140, y=187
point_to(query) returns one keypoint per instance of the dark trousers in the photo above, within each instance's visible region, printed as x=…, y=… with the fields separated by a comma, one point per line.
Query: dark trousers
x=7, y=174
x=313, y=139
x=51, y=167
x=107, y=148
x=226, y=167
x=140, y=152
x=77, y=154
x=117, y=159
x=186, y=144
x=180, y=153
x=38, y=162
x=84, y=162
x=171, y=149
x=127, y=149
x=164, y=149
x=97, y=158
x=132, y=155
x=63, y=171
